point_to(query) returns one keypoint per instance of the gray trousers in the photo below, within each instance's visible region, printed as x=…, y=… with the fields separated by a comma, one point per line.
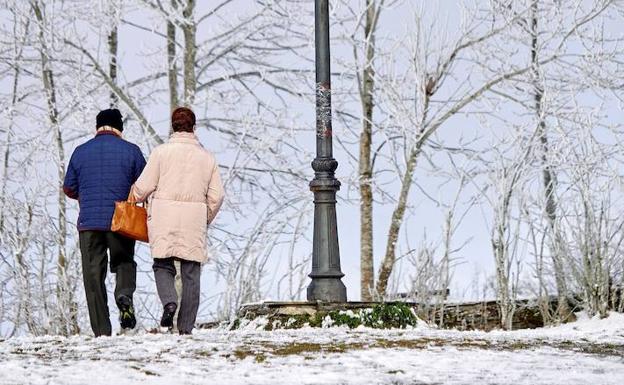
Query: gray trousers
x=95, y=247
x=164, y=273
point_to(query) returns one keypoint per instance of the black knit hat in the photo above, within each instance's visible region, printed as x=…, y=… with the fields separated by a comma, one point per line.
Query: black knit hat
x=110, y=117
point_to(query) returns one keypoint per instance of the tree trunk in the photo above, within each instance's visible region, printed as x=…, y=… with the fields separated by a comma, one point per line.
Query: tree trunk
x=5, y=167
x=9, y=135
x=501, y=259
x=172, y=70
x=112, y=67
x=7, y=150
x=64, y=292
x=367, y=272
x=549, y=178
x=21, y=269
x=23, y=272
x=190, y=50
x=397, y=220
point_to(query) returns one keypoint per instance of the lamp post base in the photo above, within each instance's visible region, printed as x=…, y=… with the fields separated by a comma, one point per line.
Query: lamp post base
x=327, y=289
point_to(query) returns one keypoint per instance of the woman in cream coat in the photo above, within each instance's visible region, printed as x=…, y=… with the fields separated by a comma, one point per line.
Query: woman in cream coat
x=182, y=179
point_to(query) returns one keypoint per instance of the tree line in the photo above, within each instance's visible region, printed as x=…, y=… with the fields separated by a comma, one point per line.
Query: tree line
x=509, y=112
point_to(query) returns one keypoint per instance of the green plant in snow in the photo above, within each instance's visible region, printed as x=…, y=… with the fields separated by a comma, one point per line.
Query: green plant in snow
x=382, y=316
x=394, y=315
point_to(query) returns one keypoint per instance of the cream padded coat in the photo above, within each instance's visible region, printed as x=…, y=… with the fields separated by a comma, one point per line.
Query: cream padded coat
x=186, y=192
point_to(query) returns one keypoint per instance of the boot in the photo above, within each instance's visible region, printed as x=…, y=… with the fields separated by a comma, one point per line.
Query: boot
x=168, y=313
x=126, y=312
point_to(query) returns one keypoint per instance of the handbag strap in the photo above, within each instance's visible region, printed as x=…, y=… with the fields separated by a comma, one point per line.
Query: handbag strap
x=131, y=198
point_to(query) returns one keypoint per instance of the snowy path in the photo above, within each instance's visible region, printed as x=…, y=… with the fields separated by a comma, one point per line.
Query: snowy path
x=587, y=352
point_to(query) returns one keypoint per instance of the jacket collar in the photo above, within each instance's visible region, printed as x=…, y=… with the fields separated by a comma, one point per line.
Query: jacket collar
x=103, y=133
x=184, y=137
x=108, y=130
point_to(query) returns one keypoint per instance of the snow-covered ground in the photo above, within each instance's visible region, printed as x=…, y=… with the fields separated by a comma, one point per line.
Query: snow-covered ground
x=589, y=351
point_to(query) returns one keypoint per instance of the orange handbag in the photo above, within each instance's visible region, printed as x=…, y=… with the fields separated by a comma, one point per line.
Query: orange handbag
x=130, y=219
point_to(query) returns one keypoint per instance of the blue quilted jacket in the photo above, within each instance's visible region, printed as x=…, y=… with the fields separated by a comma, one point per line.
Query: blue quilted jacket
x=100, y=172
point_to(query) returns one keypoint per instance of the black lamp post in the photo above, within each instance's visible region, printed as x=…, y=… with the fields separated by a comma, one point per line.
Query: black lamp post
x=326, y=275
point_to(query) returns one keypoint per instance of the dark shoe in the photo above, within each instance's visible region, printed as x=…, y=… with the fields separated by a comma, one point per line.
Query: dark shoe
x=168, y=313
x=126, y=312
x=185, y=333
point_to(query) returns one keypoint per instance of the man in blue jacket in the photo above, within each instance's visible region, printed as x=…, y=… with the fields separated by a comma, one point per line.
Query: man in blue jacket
x=100, y=172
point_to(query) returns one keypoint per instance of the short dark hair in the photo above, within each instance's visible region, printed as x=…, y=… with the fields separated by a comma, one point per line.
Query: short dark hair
x=182, y=119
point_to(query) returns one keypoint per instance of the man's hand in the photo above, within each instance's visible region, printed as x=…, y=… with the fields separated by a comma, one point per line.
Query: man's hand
x=70, y=193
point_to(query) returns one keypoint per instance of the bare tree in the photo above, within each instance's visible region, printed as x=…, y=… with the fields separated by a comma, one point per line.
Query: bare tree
x=66, y=304
x=172, y=68
x=593, y=218
x=18, y=49
x=188, y=27
x=430, y=74
x=366, y=84
x=113, y=38
x=507, y=180
x=549, y=93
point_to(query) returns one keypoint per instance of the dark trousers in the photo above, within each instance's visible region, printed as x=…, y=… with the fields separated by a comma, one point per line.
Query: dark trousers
x=95, y=247
x=164, y=273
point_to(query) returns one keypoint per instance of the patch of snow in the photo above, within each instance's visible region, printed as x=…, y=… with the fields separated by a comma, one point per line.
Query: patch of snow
x=258, y=323
x=606, y=330
x=327, y=322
